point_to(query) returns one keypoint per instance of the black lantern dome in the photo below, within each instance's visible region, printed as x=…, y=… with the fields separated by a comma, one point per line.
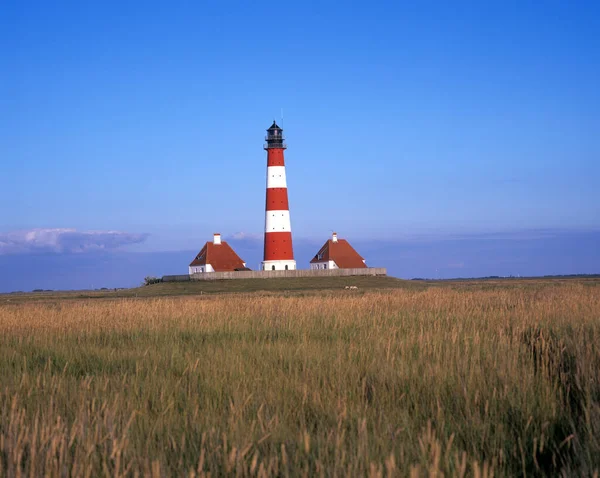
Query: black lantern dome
x=275, y=137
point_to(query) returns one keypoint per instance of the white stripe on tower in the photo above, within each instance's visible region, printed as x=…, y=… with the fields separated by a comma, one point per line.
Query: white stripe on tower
x=278, y=221
x=276, y=177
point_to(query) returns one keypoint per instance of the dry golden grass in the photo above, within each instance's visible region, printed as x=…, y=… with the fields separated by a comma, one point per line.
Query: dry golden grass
x=453, y=380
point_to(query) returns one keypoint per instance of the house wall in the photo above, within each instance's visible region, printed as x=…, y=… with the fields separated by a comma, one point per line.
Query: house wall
x=324, y=265
x=200, y=269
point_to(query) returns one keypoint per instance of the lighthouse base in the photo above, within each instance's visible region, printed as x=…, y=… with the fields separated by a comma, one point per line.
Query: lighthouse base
x=278, y=265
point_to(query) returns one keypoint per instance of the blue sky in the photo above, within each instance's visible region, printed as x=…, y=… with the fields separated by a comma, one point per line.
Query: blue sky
x=403, y=121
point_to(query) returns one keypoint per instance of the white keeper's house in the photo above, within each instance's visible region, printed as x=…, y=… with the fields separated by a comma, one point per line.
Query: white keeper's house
x=337, y=254
x=216, y=256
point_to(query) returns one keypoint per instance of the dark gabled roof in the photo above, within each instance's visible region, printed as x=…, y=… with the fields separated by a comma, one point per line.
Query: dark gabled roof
x=274, y=126
x=340, y=252
x=220, y=256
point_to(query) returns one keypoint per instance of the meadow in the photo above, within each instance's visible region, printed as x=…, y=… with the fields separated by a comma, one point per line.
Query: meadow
x=458, y=379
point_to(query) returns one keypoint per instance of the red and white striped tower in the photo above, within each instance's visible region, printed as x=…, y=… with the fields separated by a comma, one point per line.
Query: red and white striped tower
x=279, y=255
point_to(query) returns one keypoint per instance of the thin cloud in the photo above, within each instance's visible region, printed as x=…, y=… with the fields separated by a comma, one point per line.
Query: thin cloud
x=245, y=236
x=65, y=241
x=515, y=235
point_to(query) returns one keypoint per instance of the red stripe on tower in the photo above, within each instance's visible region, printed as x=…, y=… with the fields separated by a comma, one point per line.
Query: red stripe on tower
x=278, y=254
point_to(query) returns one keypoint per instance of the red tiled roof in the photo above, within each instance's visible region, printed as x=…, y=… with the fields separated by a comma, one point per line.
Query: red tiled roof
x=341, y=252
x=220, y=256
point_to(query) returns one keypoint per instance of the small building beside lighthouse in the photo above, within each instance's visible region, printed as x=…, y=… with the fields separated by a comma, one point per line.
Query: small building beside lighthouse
x=337, y=254
x=216, y=256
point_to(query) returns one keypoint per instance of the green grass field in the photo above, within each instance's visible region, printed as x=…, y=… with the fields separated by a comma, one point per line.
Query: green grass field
x=222, y=287
x=308, y=285
x=293, y=378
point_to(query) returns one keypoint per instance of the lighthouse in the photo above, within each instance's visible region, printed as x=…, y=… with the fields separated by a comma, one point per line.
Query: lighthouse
x=278, y=254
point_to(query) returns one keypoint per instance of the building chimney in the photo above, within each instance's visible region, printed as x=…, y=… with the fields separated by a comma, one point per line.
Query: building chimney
x=217, y=238
x=334, y=237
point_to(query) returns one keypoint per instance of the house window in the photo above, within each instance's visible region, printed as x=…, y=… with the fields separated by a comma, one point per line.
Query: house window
x=324, y=266
x=286, y=267
x=272, y=268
